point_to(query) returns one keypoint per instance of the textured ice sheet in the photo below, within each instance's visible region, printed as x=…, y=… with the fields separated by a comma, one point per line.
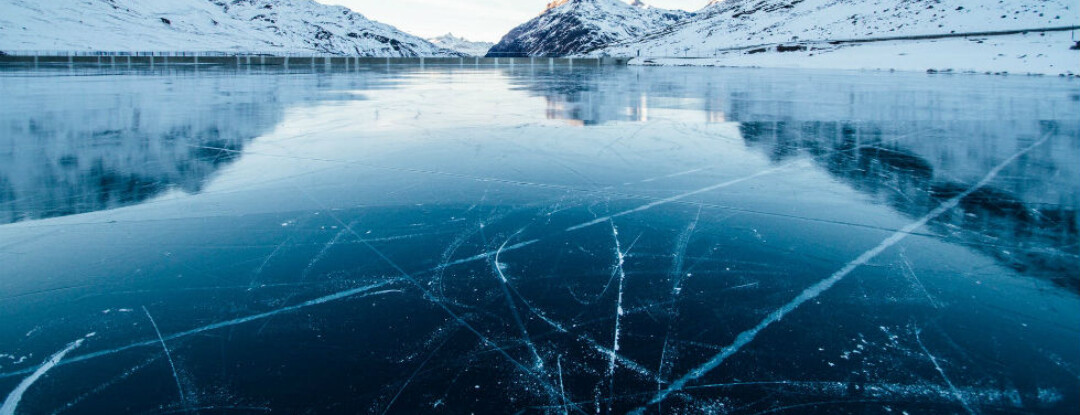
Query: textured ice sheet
x=504, y=240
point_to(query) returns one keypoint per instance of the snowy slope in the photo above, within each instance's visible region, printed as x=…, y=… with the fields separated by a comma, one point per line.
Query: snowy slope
x=570, y=27
x=451, y=42
x=736, y=23
x=1031, y=53
x=748, y=33
x=276, y=26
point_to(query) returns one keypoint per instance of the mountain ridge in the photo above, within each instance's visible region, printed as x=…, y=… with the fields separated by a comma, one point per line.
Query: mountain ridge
x=568, y=27
x=734, y=23
x=459, y=44
x=260, y=26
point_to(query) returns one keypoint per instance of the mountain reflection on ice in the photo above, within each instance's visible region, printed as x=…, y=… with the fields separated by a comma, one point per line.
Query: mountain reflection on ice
x=535, y=240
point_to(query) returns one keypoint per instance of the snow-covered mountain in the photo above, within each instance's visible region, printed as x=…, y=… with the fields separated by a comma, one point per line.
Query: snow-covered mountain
x=571, y=27
x=737, y=23
x=274, y=26
x=457, y=44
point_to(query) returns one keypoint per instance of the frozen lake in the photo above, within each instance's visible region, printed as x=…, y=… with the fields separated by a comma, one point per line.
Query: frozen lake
x=526, y=240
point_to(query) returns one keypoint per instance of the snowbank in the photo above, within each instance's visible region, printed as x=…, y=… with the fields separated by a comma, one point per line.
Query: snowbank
x=1046, y=53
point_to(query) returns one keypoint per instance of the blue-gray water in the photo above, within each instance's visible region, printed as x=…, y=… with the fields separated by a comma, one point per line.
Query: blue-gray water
x=525, y=240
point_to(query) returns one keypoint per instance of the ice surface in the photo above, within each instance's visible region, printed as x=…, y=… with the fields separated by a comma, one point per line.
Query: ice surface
x=534, y=240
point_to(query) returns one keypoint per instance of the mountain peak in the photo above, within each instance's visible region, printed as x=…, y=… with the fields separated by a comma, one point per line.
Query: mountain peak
x=555, y=4
x=569, y=27
x=461, y=45
x=598, y=3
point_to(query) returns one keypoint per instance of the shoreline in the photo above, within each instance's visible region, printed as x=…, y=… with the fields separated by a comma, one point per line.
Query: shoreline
x=1032, y=53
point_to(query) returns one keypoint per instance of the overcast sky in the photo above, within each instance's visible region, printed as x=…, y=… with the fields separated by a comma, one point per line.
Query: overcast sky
x=486, y=20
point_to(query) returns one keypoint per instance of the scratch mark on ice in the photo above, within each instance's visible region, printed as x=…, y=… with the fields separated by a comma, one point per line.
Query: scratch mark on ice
x=680, y=253
x=562, y=389
x=679, y=197
x=910, y=271
x=107, y=385
x=536, y=311
x=356, y=292
x=952, y=388
x=822, y=286
x=430, y=296
x=668, y=176
x=259, y=270
x=620, y=260
x=414, y=373
x=1059, y=362
x=543, y=381
x=168, y=356
x=13, y=399
x=322, y=253
x=486, y=255
x=623, y=360
x=513, y=307
x=676, y=274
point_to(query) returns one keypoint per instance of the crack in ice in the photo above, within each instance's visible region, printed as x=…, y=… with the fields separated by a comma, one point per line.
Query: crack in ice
x=620, y=260
x=442, y=305
x=562, y=389
x=322, y=254
x=679, y=197
x=168, y=356
x=952, y=388
x=106, y=385
x=13, y=399
x=366, y=291
x=822, y=286
x=484, y=256
x=413, y=375
x=513, y=307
